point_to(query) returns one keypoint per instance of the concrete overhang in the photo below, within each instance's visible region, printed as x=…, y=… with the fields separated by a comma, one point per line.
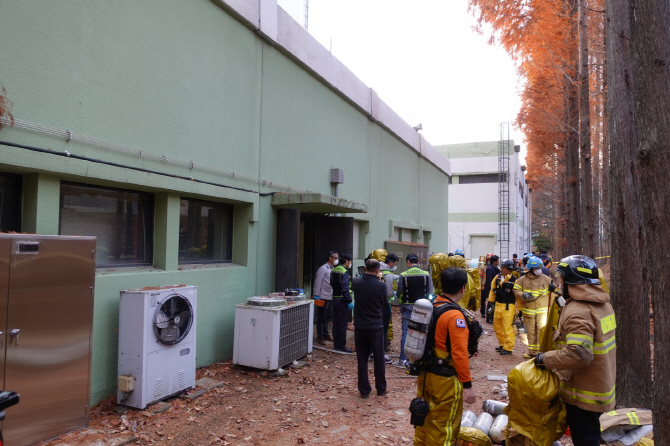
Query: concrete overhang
x=318, y=203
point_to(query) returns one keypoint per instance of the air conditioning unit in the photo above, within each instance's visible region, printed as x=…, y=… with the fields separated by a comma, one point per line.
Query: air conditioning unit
x=272, y=332
x=156, y=344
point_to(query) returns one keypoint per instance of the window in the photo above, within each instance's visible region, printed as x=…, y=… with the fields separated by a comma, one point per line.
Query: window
x=10, y=202
x=122, y=221
x=482, y=178
x=205, y=231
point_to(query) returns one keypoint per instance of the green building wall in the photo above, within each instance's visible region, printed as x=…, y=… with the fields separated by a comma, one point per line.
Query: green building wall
x=189, y=80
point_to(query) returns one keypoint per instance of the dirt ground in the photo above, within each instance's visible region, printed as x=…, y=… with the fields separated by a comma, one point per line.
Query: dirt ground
x=317, y=404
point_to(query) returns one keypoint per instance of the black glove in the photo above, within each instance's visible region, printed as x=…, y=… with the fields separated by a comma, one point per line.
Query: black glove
x=539, y=362
x=526, y=296
x=552, y=288
x=520, y=314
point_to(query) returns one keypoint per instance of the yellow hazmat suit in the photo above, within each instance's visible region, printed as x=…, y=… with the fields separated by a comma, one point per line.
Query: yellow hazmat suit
x=535, y=309
x=438, y=262
x=504, y=314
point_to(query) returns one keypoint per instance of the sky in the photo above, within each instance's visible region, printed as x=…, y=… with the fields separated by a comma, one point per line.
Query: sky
x=424, y=60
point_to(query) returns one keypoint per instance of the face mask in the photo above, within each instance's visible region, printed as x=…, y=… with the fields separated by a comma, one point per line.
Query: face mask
x=335, y=262
x=537, y=271
x=394, y=268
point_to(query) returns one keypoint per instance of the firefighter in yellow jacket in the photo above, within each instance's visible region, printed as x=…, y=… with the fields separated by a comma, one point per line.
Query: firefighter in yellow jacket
x=532, y=295
x=585, y=355
x=505, y=309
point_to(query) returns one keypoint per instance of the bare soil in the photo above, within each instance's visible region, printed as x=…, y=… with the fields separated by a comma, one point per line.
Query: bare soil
x=317, y=404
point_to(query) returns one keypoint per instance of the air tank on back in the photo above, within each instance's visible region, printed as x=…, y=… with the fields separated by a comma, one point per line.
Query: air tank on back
x=419, y=325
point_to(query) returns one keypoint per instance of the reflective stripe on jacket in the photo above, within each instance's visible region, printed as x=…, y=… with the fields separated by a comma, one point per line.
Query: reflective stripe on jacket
x=538, y=287
x=585, y=355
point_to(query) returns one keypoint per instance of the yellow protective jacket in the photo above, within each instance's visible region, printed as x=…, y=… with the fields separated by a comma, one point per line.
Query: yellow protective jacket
x=585, y=355
x=538, y=286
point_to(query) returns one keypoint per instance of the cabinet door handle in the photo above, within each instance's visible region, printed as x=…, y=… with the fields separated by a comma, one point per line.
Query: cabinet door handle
x=14, y=336
x=2, y=338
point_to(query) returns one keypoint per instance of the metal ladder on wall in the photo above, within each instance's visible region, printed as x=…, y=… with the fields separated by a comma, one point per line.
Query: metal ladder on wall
x=504, y=146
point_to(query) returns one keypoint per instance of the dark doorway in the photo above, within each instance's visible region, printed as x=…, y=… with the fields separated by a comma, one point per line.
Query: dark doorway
x=320, y=234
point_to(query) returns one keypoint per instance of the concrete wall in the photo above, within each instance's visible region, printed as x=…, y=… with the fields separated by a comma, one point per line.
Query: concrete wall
x=473, y=208
x=237, y=87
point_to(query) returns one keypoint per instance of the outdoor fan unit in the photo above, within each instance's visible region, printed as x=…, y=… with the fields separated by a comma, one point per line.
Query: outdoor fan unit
x=156, y=344
x=271, y=332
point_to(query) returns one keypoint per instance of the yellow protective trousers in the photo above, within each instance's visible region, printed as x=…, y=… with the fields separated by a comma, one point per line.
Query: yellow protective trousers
x=445, y=399
x=535, y=319
x=389, y=334
x=502, y=325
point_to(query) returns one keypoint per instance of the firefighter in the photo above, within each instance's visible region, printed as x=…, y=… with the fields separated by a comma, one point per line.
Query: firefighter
x=532, y=296
x=505, y=309
x=585, y=355
x=387, y=267
x=445, y=388
x=459, y=252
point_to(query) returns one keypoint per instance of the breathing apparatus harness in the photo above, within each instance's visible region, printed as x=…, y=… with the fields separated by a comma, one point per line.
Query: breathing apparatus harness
x=430, y=362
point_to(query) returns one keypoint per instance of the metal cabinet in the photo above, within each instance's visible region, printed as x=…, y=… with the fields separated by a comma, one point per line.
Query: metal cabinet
x=46, y=318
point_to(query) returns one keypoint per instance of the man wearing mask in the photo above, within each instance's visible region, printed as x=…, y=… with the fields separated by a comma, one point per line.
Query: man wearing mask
x=585, y=355
x=342, y=301
x=491, y=272
x=323, y=292
x=368, y=322
x=502, y=296
x=386, y=268
x=532, y=295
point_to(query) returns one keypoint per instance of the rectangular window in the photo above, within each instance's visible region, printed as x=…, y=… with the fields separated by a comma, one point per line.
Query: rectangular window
x=205, y=232
x=122, y=220
x=10, y=203
x=483, y=178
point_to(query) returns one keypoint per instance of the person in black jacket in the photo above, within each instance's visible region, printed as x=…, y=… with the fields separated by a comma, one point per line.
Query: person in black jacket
x=491, y=272
x=339, y=280
x=369, y=327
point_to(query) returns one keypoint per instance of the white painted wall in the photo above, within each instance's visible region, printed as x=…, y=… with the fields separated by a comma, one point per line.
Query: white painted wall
x=483, y=199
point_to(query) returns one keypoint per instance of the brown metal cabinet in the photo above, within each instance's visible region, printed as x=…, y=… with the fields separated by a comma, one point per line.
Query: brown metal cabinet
x=46, y=318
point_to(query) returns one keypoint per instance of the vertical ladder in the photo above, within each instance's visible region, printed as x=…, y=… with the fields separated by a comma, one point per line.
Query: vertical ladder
x=504, y=147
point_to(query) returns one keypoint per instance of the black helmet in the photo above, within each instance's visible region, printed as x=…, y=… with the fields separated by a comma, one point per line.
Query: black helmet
x=578, y=270
x=507, y=264
x=525, y=259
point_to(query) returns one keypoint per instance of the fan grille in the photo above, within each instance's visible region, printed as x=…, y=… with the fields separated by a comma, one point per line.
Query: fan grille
x=173, y=319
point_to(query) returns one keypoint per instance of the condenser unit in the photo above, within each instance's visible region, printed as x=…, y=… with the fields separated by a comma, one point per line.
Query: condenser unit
x=156, y=344
x=272, y=332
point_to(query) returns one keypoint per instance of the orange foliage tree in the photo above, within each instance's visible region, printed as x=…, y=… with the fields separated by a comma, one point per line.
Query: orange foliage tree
x=542, y=38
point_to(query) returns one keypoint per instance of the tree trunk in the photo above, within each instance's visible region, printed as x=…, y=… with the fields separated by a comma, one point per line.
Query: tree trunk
x=574, y=221
x=587, y=202
x=629, y=286
x=650, y=45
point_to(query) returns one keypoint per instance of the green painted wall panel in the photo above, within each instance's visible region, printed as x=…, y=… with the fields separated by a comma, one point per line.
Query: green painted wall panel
x=186, y=80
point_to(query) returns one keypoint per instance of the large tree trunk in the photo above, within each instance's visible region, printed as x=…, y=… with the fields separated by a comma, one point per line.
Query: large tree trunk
x=587, y=202
x=628, y=285
x=573, y=202
x=650, y=45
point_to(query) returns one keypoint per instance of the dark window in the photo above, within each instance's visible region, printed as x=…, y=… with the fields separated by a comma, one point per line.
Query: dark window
x=122, y=221
x=482, y=178
x=10, y=203
x=205, y=231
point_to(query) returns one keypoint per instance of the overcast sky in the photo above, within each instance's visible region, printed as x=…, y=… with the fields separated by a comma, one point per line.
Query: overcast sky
x=424, y=60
